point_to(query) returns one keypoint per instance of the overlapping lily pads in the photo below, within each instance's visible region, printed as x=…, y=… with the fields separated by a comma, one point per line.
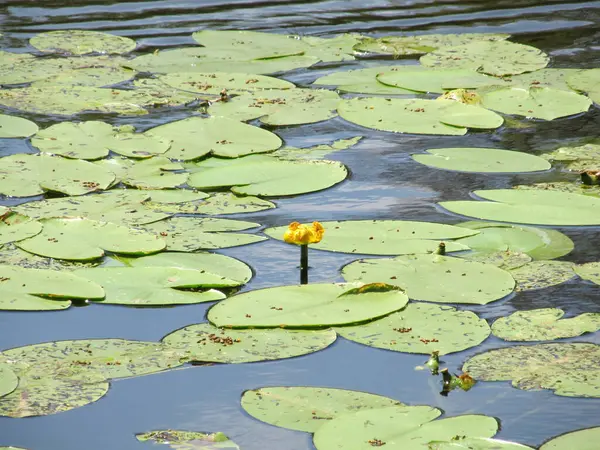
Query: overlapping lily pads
x=542, y=274
x=217, y=203
x=12, y=126
x=8, y=379
x=80, y=42
x=570, y=369
x=581, y=439
x=314, y=305
x=215, y=82
x=188, y=439
x=436, y=278
x=421, y=328
x=158, y=172
x=15, y=227
x=587, y=81
x=365, y=80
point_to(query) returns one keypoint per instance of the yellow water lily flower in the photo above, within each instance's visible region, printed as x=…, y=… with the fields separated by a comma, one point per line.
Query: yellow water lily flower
x=300, y=234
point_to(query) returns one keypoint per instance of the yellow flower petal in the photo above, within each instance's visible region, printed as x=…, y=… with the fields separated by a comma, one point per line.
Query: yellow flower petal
x=300, y=234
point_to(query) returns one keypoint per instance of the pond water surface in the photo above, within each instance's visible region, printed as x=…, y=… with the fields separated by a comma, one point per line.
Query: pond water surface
x=384, y=183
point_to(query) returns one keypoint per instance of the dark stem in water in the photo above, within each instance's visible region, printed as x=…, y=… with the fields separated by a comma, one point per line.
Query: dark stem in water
x=304, y=264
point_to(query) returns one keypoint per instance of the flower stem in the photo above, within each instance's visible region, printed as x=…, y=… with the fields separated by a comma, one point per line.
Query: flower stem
x=304, y=264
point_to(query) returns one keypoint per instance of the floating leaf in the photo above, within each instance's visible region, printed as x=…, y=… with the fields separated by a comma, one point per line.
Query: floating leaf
x=305, y=408
x=14, y=256
x=15, y=227
x=365, y=80
x=334, y=49
x=195, y=137
x=86, y=76
x=217, y=203
x=486, y=160
x=478, y=444
x=421, y=328
x=536, y=102
x=80, y=42
x=384, y=237
x=8, y=379
x=11, y=127
x=417, y=116
x=399, y=427
x=23, y=175
x=436, y=278
x=188, y=234
x=190, y=440
x=587, y=81
x=570, y=369
x=589, y=271
x=576, y=158
x=542, y=274
x=39, y=290
x=216, y=82
x=267, y=176
x=94, y=140
x=541, y=207
x=154, y=286
x=544, y=325
x=423, y=79
x=315, y=305
x=506, y=260
x=207, y=343
x=581, y=440
x=84, y=239
x=280, y=107
x=157, y=172
x=494, y=58
x=316, y=151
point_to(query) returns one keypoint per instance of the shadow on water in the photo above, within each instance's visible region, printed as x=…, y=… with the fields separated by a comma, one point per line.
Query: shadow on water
x=384, y=183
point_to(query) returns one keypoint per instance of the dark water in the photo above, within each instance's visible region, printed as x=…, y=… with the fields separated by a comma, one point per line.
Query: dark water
x=385, y=183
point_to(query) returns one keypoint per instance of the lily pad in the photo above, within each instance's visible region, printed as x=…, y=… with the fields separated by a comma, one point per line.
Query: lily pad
x=157, y=172
x=365, y=80
x=334, y=49
x=207, y=343
x=581, y=439
x=154, y=286
x=569, y=369
x=40, y=290
x=315, y=305
x=497, y=58
x=23, y=175
x=576, y=158
x=86, y=76
x=587, y=81
x=544, y=325
x=80, y=42
x=195, y=137
x=94, y=140
x=421, y=328
x=479, y=444
x=15, y=227
x=305, y=408
x=217, y=203
x=280, y=107
x=8, y=379
x=267, y=176
x=384, y=237
x=423, y=79
x=538, y=207
x=216, y=82
x=417, y=116
x=398, y=427
x=316, y=151
x=12, y=127
x=188, y=234
x=81, y=239
x=542, y=274
x=14, y=256
x=536, y=102
x=487, y=160
x=436, y=278
x=506, y=260
x=190, y=440
x=589, y=271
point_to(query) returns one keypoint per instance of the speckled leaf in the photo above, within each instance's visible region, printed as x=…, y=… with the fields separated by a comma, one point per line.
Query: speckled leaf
x=506, y=260
x=217, y=203
x=86, y=76
x=333, y=49
x=8, y=379
x=478, y=444
x=542, y=274
x=569, y=369
x=585, y=439
x=423, y=79
x=305, y=408
x=14, y=256
x=215, y=82
x=576, y=158
x=421, y=328
x=314, y=305
x=207, y=343
x=587, y=81
x=589, y=271
x=12, y=127
x=435, y=278
x=80, y=42
x=316, y=151
x=188, y=440
x=15, y=227
x=157, y=172
x=365, y=80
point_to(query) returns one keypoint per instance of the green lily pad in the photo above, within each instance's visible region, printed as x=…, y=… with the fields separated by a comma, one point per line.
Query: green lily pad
x=478, y=444
x=217, y=203
x=80, y=42
x=423, y=79
x=316, y=151
x=544, y=325
x=417, y=116
x=550, y=78
x=576, y=158
x=195, y=137
x=157, y=172
x=506, y=260
x=398, y=427
x=267, y=176
x=384, y=237
x=334, y=49
x=365, y=80
x=15, y=227
x=210, y=263
x=154, y=286
x=188, y=234
x=11, y=127
x=23, y=175
x=94, y=140
x=569, y=369
x=487, y=160
x=589, y=271
x=305, y=408
x=536, y=102
x=14, y=256
x=188, y=440
x=81, y=239
x=573, y=187
x=39, y=290
x=8, y=379
x=542, y=274
x=207, y=343
x=315, y=305
x=436, y=278
x=536, y=207
x=581, y=440
x=87, y=76
x=280, y=107
x=493, y=58
x=421, y=328
x=587, y=81
x=215, y=82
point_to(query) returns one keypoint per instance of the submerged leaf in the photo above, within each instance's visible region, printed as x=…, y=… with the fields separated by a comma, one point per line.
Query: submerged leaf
x=218, y=203
x=188, y=440
x=542, y=274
